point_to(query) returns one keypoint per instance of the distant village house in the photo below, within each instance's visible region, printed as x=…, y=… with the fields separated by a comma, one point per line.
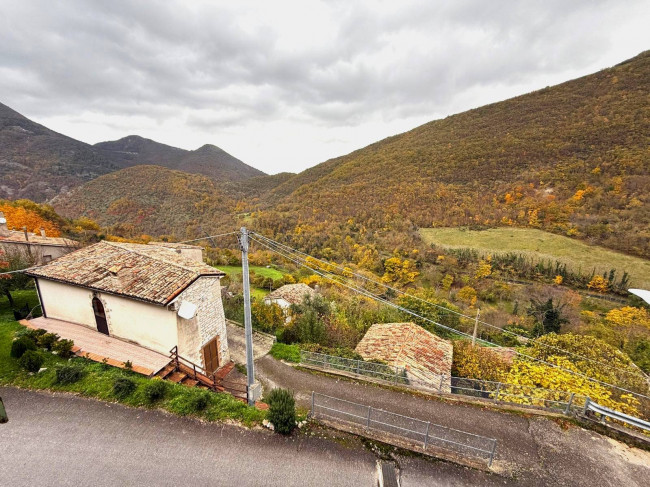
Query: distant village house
x=151, y=295
x=289, y=294
x=37, y=248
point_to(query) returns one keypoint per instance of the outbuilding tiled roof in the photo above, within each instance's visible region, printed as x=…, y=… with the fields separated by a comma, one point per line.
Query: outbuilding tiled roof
x=424, y=355
x=292, y=293
x=144, y=272
x=175, y=245
x=16, y=237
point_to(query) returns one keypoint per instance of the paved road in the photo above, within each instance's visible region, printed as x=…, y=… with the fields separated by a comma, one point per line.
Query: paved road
x=536, y=450
x=65, y=440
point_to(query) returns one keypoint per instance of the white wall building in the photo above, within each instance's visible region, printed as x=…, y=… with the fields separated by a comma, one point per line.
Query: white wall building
x=150, y=295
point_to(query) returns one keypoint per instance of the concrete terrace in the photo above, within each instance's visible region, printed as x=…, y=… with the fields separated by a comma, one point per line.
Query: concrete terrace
x=97, y=346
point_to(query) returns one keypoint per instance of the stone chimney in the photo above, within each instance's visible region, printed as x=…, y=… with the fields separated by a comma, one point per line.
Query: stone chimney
x=4, y=230
x=43, y=232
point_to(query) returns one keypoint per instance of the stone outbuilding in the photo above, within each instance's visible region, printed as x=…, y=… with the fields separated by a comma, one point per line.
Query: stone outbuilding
x=37, y=248
x=149, y=295
x=425, y=356
x=289, y=294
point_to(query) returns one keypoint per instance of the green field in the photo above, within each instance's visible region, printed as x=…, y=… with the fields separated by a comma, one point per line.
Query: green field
x=233, y=270
x=543, y=245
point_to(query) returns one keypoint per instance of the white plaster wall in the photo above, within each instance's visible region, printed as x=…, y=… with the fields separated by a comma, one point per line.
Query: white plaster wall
x=67, y=303
x=284, y=304
x=149, y=325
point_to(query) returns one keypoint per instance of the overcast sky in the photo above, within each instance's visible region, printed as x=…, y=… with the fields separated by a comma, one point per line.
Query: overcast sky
x=286, y=85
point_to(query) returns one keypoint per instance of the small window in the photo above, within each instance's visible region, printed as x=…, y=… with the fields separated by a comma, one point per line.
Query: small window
x=46, y=259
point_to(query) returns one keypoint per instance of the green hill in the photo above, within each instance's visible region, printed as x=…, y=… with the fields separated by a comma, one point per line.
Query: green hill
x=571, y=159
x=152, y=200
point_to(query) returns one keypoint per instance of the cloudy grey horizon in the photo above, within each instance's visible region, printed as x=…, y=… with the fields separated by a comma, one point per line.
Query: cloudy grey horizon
x=286, y=85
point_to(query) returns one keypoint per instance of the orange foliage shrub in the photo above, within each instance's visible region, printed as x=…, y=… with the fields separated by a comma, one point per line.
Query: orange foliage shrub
x=18, y=217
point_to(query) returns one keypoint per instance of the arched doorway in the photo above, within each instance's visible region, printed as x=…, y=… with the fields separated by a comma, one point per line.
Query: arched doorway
x=100, y=316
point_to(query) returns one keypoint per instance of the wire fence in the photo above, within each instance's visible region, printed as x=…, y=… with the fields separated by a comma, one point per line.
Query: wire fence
x=424, y=435
x=521, y=395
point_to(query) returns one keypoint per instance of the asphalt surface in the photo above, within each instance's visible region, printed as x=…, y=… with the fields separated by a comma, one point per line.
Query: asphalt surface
x=65, y=440
x=531, y=449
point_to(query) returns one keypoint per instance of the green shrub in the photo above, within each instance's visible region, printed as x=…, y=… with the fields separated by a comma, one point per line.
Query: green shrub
x=68, y=374
x=200, y=401
x=31, y=361
x=282, y=410
x=20, y=346
x=47, y=340
x=282, y=351
x=123, y=387
x=155, y=390
x=63, y=348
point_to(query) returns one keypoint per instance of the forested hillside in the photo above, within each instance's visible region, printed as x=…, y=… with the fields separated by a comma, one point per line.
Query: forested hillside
x=572, y=159
x=208, y=160
x=152, y=200
x=38, y=163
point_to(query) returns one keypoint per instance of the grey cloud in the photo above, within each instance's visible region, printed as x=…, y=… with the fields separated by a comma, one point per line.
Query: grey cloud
x=158, y=58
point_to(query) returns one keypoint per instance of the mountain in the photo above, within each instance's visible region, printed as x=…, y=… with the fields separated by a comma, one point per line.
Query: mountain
x=149, y=199
x=572, y=159
x=208, y=160
x=38, y=163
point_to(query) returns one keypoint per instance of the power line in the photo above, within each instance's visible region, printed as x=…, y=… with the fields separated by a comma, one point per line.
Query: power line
x=207, y=237
x=577, y=355
x=408, y=311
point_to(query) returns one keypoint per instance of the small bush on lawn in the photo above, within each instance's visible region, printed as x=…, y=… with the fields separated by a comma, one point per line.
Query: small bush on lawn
x=282, y=410
x=31, y=361
x=68, y=374
x=63, y=348
x=200, y=401
x=154, y=390
x=123, y=387
x=47, y=340
x=20, y=346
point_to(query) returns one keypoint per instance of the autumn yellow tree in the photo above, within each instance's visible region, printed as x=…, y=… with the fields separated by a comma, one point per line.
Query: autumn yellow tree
x=19, y=217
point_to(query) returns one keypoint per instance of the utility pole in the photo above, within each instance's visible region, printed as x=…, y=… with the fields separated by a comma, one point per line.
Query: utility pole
x=253, y=389
x=478, y=313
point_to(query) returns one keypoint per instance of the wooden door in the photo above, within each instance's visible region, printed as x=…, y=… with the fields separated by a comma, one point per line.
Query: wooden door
x=100, y=316
x=211, y=355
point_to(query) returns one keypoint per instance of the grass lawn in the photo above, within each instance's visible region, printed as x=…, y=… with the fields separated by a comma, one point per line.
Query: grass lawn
x=543, y=245
x=233, y=270
x=98, y=379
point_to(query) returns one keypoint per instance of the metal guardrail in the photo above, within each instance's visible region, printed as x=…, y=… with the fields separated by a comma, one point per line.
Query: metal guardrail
x=611, y=414
x=431, y=435
x=521, y=395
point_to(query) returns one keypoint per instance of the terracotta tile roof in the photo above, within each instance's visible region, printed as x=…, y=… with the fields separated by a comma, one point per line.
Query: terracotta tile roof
x=35, y=239
x=143, y=272
x=424, y=355
x=174, y=245
x=292, y=293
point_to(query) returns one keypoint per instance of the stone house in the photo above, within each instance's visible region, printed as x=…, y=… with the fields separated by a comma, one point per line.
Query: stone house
x=289, y=294
x=37, y=248
x=425, y=356
x=153, y=296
